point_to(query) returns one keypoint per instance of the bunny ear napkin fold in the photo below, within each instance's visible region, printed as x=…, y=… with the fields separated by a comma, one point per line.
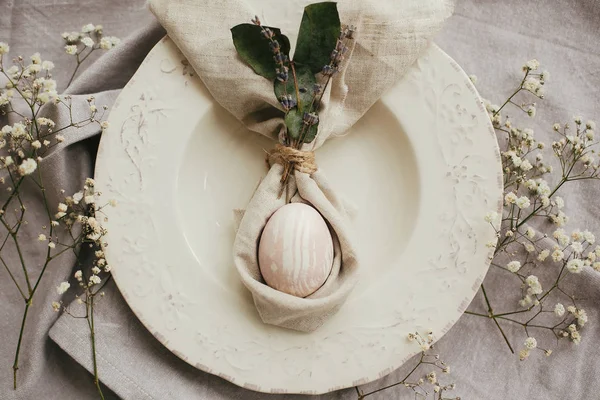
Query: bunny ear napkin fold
x=390, y=36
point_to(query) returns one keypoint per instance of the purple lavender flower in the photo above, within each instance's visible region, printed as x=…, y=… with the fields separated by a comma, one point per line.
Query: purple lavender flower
x=287, y=102
x=274, y=44
x=282, y=74
x=267, y=33
x=328, y=70
x=317, y=88
x=280, y=58
x=310, y=118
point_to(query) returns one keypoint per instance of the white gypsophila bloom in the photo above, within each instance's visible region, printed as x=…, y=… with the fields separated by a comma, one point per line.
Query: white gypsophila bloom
x=527, y=133
x=516, y=160
x=577, y=247
x=561, y=237
x=71, y=49
x=523, y=202
x=33, y=68
x=576, y=337
x=576, y=235
x=591, y=256
x=63, y=287
x=46, y=121
x=27, y=166
x=46, y=142
x=36, y=58
x=101, y=261
x=560, y=219
x=577, y=119
x=88, y=28
x=582, y=317
x=589, y=237
x=62, y=207
x=589, y=134
x=106, y=43
x=51, y=245
x=90, y=199
x=4, y=48
x=87, y=42
x=590, y=125
x=531, y=184
x=77, y=197
x=99, y=253
x=539, y=157
x=36, y=144
x=559, y=310
x=556, y=126
x=13, y=71
x=95, y=270
x=531, y=111
x=8, y=160
x=513, y=266
x=107, y=268
x=112, y=202
x=543, y=255
x=90, y=182
x=47, y=65
x=560, y=203
x=525, y=165
x=530, y=343
x=529, y=247
x=557, y=255
x=543, y=189
x=41, y=237
x=531, y=84
x=510, y=198
x=523, y=354
x=545, y=76
x=56, y=306
x=491, y=217
x=534, y=285
x=59, y=215
x=78, y=275
x=95, y=280
x=575, y=265
x=530, y=232
x=60, y=138
x=18, y=130
x=531, y=65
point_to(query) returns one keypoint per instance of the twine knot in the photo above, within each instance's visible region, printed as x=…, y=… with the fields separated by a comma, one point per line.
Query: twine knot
x=290, y=158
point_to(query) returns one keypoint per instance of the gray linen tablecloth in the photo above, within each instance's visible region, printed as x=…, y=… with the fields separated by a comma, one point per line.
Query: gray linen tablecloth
x=488, y=38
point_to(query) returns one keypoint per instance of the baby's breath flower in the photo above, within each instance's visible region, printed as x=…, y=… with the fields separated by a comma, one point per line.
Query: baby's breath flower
x=523, y=202
x=529, y=247
x=589, y=237
x=27, y=166
x=577, y=247
x=531, y=84
x=71, y=49
x=87, y=42
x=530, y=232
x=78, y=275
x=95, y=280
x=62, y=207
x=51, y=245
x=575, y=265
x=523, y=354
x=63, y=287
x=560, y=203
x=557, y=255
x=510, y=198
x=543, y=255
x=88, y=28
x=95, y=270
x=513, y=266
x=530, y=343
x=41, y=237
x=56, y=306
x=36, y=144
x=4, y=48
x=432, y=377
x=559, y=309
x=112, y=202
x=60, y=138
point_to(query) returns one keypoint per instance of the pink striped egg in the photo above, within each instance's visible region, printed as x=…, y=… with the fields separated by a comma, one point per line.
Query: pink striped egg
x=295, y=253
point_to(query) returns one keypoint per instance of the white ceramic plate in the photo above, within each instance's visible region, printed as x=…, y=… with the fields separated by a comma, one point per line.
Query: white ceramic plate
x=422, y=167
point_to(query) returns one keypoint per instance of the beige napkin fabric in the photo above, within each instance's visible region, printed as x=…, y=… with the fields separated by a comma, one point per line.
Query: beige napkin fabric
x=390, y=35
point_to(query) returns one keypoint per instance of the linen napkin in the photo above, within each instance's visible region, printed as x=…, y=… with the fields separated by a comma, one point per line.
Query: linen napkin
x=390, y=35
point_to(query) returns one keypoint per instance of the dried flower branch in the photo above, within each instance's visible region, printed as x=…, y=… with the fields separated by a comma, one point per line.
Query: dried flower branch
x=530, y=198
x=23, y=146
x=422, y=385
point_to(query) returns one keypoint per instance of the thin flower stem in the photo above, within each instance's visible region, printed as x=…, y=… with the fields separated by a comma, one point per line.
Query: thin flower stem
x=79, y=62
x=93, y=340
x=397, y=383
x=18, y=350
x=512, y=95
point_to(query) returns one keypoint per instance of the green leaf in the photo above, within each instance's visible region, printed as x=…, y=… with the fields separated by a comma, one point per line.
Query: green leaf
x=293, y=121
x=306, y=82
x=319, y=30
x=254, y=48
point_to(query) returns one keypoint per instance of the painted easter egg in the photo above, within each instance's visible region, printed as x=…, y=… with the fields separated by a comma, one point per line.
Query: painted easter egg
x=295, y=253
